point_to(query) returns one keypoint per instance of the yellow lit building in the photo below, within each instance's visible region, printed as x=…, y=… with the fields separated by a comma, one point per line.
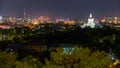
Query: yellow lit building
x=72, y=22
x=35, y=21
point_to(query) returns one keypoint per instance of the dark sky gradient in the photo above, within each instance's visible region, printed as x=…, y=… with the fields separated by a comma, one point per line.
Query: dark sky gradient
x=61, y=8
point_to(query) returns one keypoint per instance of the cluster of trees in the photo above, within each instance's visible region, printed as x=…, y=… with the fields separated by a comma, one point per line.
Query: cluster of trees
x=15, y=35
x=105, y=38
x=77, y=58
x=97, y=40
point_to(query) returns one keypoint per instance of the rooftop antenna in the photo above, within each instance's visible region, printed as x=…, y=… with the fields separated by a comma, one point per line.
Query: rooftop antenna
x=90, y=15
x=90, y=9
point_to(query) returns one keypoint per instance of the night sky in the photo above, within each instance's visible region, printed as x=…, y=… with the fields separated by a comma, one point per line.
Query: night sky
x=61, y=8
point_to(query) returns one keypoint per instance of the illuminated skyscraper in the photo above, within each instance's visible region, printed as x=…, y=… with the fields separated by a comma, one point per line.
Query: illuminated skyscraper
x=27, y=18
x=25, y=14
x=91, y=22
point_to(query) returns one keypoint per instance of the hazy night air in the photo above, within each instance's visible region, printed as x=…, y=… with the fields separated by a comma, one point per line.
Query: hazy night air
x=61, y=8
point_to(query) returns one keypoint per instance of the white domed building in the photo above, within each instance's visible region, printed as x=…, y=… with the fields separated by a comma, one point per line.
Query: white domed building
x=91, y=22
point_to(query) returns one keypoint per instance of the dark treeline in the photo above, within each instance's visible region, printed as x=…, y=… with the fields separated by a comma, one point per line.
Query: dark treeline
x=105, y=38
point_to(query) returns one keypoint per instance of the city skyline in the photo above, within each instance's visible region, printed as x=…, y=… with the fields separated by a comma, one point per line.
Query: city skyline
x=60, y=9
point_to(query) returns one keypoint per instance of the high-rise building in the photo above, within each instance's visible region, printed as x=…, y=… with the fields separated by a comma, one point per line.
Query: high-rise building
x=25, y=14
x=91, y=22
x=27, y=18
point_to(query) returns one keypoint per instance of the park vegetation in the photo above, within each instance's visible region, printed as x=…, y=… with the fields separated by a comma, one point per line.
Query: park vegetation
x=77, y=58
x=95, y=43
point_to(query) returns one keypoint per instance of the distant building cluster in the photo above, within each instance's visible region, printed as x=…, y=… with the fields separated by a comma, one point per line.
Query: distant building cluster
x=92, y=22
x=11, y=21
x=29, y=20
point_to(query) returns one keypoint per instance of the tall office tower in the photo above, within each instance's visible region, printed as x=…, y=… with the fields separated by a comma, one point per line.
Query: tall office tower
x=25, y=13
